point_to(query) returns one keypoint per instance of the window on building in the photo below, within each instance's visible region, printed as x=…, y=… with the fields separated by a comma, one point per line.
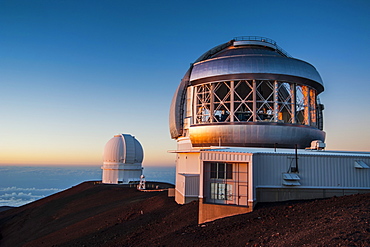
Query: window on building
x=221, y=171
x=225, y=183
x=221, y=191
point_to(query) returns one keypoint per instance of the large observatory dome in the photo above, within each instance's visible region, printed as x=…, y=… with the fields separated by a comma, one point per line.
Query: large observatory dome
x=248, y=92
x=123, y=148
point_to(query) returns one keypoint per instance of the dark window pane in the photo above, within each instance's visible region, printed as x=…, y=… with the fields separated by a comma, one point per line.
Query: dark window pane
x=229, y=171
x=221, y=170
x=213, y=170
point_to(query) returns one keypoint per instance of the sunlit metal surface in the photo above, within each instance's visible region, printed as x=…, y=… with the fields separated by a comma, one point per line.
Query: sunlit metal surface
x=177, y=107
x=254, y=135
x=258, y=67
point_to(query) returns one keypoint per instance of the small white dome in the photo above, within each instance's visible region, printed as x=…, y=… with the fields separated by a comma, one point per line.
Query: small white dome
x=123, y=148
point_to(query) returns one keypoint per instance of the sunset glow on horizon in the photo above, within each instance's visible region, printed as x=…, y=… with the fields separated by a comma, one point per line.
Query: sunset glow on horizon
x=75, y=73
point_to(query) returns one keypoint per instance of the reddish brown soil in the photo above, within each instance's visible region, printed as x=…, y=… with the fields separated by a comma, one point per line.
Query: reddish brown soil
x=112, y=215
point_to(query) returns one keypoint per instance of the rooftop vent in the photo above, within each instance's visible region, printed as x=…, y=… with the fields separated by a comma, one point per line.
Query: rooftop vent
x=291, y=179
x=317, y=145
x=359, y=164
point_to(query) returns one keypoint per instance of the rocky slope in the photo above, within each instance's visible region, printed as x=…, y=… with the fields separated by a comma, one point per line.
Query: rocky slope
x=112, y=215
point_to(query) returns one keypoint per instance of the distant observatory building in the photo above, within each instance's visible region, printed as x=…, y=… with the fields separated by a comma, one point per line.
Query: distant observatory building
x=249, y=128
x=123, y=157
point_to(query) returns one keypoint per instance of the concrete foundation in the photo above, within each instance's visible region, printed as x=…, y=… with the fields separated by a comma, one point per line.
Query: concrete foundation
x=171, y=192
x=210, y=212
x=181, y=199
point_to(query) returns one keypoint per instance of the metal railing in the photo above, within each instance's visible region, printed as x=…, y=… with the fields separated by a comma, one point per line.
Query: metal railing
x=255, y=38
x=263, y=39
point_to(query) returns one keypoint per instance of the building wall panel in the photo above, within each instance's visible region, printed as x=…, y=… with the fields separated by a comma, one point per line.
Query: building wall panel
x=314, y=171
x=191, y=185
x=180, y=183
x=188, y=163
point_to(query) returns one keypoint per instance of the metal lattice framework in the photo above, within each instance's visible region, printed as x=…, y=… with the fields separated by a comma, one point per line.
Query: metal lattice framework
x=255, y=101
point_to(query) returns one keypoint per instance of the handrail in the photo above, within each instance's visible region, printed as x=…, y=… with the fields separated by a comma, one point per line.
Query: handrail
x=263, y=39
x=255, y=38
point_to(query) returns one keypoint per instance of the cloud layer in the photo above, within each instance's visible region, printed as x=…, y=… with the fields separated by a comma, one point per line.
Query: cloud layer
x=20, y=185
x=15, y=196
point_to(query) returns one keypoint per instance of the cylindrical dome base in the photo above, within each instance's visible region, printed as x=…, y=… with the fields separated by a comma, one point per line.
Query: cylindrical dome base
x=119, y=173
x=254, y=135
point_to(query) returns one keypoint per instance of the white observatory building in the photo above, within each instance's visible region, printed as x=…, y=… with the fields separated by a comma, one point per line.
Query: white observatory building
x=249, y=128
x=123, y=157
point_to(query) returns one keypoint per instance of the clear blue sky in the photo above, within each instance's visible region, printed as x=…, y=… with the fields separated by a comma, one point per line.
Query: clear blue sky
x=74, y=73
